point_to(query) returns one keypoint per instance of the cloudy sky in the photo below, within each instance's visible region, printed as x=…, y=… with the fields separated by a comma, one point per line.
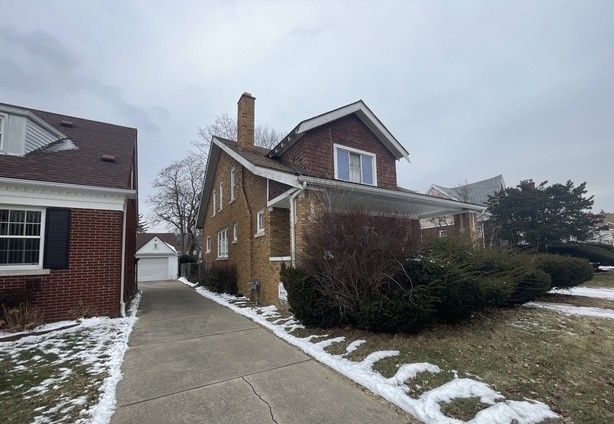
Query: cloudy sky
x=471, y=88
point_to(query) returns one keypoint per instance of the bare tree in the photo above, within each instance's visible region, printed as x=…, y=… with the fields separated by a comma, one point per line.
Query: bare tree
x=176, y=199
x=226, y=127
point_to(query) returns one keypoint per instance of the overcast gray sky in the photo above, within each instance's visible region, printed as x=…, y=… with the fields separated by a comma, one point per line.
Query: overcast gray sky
x=471, y=88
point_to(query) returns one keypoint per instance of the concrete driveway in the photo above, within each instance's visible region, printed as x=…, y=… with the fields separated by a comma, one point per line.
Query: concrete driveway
x=193, y=361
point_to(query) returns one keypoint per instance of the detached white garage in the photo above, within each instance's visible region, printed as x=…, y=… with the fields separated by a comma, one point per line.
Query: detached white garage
x=157, y=256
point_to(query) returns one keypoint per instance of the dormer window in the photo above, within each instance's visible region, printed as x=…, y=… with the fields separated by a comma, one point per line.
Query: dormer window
x=2, y=130
x=355, y=165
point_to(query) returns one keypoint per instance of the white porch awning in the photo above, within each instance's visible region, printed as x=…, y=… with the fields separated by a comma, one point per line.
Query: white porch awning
x=341, y=195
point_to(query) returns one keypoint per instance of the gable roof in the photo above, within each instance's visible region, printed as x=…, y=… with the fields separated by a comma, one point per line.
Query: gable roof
x=360, y=109
x=476, y=192
x=80, y=163
x=143, y=238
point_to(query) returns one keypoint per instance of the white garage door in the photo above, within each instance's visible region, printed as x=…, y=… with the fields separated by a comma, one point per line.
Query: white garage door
x=151, y=269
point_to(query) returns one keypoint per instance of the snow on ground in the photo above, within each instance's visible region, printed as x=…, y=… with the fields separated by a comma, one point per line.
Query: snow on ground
x=45, y=327
x=597, y=293
x=566, y=309
x=186, y=282
x=425, y=408
x=82, y=369
x=606, y=268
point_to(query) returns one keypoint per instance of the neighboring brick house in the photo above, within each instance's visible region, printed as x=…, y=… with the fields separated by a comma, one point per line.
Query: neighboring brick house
x=476, y=192
x=257, y=204
x=68, y=211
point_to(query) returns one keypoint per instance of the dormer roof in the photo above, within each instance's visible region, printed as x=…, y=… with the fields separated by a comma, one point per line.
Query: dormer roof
x=361, y=110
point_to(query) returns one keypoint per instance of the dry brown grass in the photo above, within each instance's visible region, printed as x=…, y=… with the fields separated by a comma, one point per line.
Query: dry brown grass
x=566, y=362
x=602, y=279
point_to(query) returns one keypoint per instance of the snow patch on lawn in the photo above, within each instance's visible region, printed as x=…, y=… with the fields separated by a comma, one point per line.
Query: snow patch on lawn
x=45, y=327
x=97, y=344
x=587, y=292
x=425, y=408
x=564, y=308
x=354, y=345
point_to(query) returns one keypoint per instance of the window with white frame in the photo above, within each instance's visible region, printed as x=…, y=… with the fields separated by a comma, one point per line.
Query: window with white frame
x=221, y=203
x=355, y=165
x=233, y=184
x=208, y=250
x=21, y=237
x=2, y=131
x=235, y=232
x=222, y=244
x=260, y=222
x=214, y=207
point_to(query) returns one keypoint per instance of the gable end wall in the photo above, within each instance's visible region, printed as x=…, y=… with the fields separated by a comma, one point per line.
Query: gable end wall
x=313, y=152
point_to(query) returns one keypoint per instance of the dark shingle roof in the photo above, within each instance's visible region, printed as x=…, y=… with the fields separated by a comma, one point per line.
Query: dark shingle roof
x=476, y=192
x=83, y=165
x=257, y=156
x=143, y=238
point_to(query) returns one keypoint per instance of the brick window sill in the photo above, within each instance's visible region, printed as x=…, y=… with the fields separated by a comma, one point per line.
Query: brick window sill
x=258, y=235
x=12, y=272
x=224, y=258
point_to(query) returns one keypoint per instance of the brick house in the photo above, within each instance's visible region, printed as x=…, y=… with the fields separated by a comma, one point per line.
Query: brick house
x=68, y=212
x=257, y=204
x=476, y=193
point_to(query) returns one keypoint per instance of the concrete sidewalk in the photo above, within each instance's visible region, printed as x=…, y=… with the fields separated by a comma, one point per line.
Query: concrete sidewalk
x=193, y=361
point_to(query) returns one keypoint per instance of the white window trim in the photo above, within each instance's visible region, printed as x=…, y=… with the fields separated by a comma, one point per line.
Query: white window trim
x=41, y=252
x=233, y=184
x=208, y=246
x=221, y=202
x=260, y=231
x=235, y=233
x=4, y=118
x=214, y=206
x=219, y=240
x=360, y=152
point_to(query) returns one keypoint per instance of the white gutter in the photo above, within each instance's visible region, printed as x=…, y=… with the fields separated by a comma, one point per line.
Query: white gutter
x=292, y=225
x=122, y=304
x=97, y=189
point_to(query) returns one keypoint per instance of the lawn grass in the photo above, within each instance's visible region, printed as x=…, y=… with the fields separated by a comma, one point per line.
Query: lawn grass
x=566, y=362
x=578, y=300
x=602, y=279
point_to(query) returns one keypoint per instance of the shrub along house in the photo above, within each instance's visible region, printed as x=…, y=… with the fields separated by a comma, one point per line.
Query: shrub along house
x=258, y=204
x=68, y=212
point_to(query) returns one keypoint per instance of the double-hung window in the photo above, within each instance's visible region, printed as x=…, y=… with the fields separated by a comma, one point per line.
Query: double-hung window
x=222, y=244
x=214, y=207
x=260, y=222
x=233, y=184
x=355, y=165
x=21, y=238
x=221, y=196
x=208, y=249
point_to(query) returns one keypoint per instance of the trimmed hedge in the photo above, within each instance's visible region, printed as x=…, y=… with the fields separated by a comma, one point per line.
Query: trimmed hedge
x=221, y=279
x=447, y=282
x=565, y=271
x=594, y=252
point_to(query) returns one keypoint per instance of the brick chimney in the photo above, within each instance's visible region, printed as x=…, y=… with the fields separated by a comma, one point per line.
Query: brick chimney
x=245, y=120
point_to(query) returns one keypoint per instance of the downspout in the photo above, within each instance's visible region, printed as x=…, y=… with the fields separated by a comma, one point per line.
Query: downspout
x=292, y=225
x=122, y=304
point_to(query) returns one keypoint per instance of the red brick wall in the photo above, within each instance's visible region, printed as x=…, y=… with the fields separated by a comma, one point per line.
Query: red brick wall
x=93, y=277
x=313, y=153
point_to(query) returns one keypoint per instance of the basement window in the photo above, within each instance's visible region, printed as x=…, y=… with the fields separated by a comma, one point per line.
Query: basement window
x=355, y=165
x=21, y=241
x=222, y=244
